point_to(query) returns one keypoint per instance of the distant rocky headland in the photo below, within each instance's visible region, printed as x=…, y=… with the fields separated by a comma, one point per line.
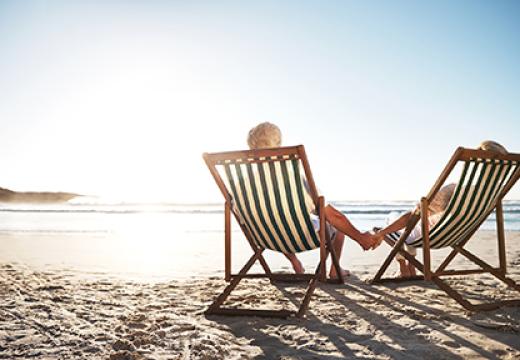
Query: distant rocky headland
x=11, y=196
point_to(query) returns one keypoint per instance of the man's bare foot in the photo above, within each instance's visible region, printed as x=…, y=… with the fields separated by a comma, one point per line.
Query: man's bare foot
x=297, y=266
x=333, y=274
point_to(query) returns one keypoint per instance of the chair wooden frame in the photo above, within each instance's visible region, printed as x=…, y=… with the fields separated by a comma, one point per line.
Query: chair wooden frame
x=254, y=156
x=461, y=154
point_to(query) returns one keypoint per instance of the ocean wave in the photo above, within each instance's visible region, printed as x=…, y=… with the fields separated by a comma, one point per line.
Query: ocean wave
x=101, y=211
x=52, y=231
x=349, y=210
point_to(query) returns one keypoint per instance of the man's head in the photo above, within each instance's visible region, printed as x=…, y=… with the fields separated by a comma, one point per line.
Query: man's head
x=492, y=146
x=264, y=135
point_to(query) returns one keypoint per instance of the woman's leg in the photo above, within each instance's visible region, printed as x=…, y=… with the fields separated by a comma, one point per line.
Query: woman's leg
x=412, y=251
x=406, y=268
x=404, y=271
x=337, y=219
x=411, y=269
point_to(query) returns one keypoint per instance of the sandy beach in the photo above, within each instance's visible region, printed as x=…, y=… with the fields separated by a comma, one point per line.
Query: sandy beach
x=51, y=313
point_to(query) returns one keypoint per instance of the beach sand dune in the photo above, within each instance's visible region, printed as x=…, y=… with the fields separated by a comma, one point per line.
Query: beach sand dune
x=58, y=315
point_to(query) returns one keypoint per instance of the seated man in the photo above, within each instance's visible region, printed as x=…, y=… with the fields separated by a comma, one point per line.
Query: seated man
x=267, y=135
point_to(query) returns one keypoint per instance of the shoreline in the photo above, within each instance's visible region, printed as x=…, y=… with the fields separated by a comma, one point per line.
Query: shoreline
x=105, y=255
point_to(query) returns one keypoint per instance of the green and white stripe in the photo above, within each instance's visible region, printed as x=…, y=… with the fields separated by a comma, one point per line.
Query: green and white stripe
x=272, y=203
x=480, y=184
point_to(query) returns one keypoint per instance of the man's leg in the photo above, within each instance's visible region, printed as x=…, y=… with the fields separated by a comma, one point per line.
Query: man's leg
x=296, y=263
x=339, y=239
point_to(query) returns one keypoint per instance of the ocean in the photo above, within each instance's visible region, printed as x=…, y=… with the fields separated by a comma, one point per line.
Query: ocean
x=78, y=216
x=163, y=240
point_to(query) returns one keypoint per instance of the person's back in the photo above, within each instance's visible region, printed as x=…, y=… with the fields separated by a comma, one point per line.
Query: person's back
x=268, y=135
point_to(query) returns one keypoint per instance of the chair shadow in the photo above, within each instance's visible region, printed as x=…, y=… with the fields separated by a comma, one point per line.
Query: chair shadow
x=263, y=333
x=268, y=335
x=380, y=322
x=497, y=315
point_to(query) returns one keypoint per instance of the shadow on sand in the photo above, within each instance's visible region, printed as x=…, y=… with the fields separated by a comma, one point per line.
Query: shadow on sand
x=357, y=320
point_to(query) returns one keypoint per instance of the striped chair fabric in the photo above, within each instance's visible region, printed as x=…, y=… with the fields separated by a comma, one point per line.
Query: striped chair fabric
x=270, y=197
x=480, y=183
x=394, y=236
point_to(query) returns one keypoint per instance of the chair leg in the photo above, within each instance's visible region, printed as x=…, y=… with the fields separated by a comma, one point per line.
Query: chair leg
x=307, y=298
x=385, y=264
x=501, y=238
x=447, y=261
x=468, y=305
x=234, y=282
x=216, y=307
x=396, y=247
x=453, y=253
x=441, y=284
x=453, y=293
x=411, y=259
x=312, y=286
x=255, y=248
x=498, y=274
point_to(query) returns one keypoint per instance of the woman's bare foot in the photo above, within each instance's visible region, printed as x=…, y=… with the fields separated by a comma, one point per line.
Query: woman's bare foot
x=411, y=270
x=403, y=269
x=333, y=274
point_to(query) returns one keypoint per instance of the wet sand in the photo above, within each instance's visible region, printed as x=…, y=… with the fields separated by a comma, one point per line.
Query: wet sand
x=50, y=313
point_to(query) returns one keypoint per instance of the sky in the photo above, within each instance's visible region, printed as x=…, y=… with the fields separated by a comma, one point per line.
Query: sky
x=120, y=98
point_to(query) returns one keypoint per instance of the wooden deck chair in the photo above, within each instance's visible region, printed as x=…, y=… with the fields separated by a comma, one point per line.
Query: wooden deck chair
x=271, y=193
x=485, y=179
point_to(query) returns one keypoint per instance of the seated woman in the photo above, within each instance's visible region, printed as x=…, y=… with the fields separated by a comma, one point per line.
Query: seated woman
x=267, y=135
x=436, y=210
x=397, y=223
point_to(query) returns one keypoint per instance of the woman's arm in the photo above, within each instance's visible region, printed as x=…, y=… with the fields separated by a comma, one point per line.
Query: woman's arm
x=398, y=224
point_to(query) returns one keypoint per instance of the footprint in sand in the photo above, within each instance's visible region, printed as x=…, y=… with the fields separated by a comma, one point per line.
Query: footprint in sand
x=123, y=345
x=451, y=344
